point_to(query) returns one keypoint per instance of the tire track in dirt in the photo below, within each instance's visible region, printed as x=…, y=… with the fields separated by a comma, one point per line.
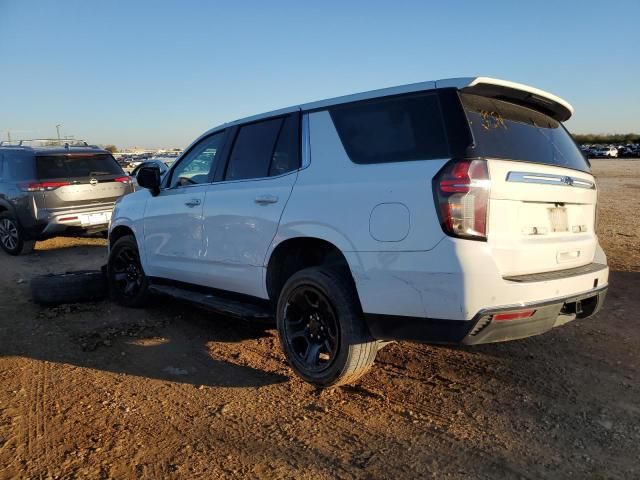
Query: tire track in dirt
x=38, y=440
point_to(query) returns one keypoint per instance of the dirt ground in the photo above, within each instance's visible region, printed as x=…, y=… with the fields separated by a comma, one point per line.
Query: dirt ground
x=98, y=391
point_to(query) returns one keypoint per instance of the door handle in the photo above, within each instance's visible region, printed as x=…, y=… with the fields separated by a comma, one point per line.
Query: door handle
x=266, y=199
x=194, y=202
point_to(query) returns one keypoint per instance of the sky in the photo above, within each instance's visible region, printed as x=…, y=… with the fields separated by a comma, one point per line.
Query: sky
x=159, y=73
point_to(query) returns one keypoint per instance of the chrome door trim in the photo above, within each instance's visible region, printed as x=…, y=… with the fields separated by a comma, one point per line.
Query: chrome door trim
x=550, y=179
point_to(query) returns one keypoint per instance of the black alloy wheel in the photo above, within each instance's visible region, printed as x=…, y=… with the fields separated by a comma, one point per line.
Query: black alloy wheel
x=128, y=283
x=321, y=327
x=311, y=328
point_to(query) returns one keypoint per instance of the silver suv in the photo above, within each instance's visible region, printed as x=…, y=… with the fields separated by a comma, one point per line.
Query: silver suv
x=52, y=190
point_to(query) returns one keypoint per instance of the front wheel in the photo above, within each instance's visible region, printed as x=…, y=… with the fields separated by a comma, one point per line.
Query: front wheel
x=322, y=330
x=128, y=284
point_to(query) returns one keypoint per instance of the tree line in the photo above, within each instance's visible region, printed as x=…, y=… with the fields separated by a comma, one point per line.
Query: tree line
x=617, y=138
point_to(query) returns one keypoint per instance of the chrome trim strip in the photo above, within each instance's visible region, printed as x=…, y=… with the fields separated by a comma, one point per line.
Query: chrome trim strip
x=306, y=141
x=540, y=303
x=549, y=179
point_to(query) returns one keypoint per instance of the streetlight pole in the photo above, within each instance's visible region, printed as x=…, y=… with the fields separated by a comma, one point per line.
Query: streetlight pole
x=58, y=130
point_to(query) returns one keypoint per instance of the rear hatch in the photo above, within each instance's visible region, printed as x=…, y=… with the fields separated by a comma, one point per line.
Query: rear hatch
x=542, y=202
x=81, y=180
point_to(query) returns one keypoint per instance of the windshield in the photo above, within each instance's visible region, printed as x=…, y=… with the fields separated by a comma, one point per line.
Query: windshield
x=505, y=130
x=77, y=166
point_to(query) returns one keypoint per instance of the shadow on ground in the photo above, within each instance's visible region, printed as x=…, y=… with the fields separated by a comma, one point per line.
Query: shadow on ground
x=167, y=341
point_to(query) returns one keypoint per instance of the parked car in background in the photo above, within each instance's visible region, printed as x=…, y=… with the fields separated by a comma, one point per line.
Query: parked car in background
x=611, y=152
x=47, y=191
x=605, y=152
x=458, y=211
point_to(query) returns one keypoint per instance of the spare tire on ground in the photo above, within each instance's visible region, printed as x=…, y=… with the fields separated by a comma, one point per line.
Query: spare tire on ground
x=69, y=287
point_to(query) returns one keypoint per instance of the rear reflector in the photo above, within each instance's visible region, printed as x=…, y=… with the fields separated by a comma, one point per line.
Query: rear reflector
x=122, y=179
x=504, y=317
x=67, y=219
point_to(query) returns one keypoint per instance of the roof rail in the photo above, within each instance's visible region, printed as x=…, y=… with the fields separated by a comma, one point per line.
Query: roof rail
x=45, y=142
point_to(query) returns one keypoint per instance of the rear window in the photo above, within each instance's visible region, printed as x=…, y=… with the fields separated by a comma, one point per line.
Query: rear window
x=76, y=166
x=397, y=129
x=505, y=130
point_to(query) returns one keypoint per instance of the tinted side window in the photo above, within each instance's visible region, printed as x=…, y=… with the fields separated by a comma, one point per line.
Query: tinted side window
x=19, y=166
x=253, y=150
x=286, y=156
x=194, y=168
x=396, y=129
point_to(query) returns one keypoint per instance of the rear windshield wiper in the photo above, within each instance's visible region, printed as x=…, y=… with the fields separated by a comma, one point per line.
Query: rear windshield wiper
x=93, y=174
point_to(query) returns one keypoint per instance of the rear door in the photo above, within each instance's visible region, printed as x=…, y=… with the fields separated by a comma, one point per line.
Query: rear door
x=543, y=197
x=242, y=211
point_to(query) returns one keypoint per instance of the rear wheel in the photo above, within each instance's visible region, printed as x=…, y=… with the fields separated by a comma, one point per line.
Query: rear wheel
x=12, y=239
x=128, y=284
x=321, y=328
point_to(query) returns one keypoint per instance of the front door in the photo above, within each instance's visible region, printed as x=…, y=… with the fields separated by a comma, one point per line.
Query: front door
x=173, y=226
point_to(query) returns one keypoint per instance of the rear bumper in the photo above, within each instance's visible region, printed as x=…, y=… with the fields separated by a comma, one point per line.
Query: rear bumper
x=457, y=279
x=76, y=220
x=483, y=327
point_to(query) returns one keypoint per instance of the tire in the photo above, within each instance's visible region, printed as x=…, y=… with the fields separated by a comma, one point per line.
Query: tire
x=128, y=284
x=322, y=329
x=70, y=287
x=12, y=238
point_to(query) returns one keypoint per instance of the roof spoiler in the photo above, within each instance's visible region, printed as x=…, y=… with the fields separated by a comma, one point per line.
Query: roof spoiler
x=513, y=92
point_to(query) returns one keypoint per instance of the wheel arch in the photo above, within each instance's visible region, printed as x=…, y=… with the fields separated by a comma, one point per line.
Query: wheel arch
x=297, y=253
x=6, y=206
x=118, y=232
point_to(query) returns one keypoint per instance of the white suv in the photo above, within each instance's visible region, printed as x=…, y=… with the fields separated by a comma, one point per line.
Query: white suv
x=456, y=211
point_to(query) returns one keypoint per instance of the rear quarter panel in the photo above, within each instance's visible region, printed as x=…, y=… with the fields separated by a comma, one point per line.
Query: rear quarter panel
x=334, y=199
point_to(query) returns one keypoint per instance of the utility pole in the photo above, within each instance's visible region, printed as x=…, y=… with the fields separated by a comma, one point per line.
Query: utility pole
x=58, y=130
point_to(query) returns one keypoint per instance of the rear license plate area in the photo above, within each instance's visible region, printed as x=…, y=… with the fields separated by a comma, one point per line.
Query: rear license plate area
x=558, y=219
x=100, y=218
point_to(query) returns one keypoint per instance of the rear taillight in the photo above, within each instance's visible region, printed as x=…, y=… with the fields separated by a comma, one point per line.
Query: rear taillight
x=42, y=186
x=461, y=192
x=122, y=179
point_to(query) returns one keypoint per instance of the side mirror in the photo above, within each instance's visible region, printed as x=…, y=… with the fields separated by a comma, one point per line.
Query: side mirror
x=149, y=177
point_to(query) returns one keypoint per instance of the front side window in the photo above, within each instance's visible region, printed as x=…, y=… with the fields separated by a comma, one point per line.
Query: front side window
x=195, y=167
x=397, y=129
